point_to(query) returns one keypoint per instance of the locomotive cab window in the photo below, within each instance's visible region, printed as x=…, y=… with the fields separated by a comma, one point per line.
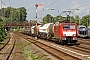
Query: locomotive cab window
x=68, y=26
x=82, y=27
x=65, y=26
x=72, y=26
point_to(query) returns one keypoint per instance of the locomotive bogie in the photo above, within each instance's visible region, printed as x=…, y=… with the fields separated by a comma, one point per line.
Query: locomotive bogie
x=70, y=40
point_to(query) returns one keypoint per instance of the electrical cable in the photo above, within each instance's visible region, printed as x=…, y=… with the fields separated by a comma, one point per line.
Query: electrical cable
x=49, y=5
x=53, y=3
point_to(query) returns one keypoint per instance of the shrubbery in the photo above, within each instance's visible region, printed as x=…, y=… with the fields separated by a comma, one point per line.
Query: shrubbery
x=2, y=31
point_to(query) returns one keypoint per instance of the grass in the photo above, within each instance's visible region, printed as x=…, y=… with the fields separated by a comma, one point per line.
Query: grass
x=19, y=45
x=29, y=53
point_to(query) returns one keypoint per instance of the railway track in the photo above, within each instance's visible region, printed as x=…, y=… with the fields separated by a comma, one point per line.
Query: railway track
x=84, y=41
x=51, y=50
x=8, y=47
x=73, y=51
x=80, y=48
x=5, y=44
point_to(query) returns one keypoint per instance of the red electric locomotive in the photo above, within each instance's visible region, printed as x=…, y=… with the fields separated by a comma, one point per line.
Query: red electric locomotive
x=66, y=33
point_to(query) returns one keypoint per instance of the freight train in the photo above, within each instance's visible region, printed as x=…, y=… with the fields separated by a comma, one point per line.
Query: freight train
x=63, y=32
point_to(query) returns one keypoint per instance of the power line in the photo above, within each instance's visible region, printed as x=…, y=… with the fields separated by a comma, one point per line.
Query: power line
x=53, y=3
x=50, y=4
x=10, y=3
x=83, y=6
x=3, y=3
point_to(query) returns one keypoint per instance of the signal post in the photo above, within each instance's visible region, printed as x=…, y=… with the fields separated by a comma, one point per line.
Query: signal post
x=37, y=5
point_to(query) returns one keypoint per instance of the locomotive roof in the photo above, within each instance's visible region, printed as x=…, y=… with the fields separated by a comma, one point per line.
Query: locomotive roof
x=81, y=26
x=64, y=21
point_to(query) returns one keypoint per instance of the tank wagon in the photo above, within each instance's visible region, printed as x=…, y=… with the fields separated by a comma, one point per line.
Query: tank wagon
x=82, y=31
x=26, y=31
x=46, y=31
x=33, y=30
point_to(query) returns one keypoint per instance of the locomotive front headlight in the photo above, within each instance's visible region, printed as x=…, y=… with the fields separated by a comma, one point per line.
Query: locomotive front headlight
x=63, y=38
x=74, y=38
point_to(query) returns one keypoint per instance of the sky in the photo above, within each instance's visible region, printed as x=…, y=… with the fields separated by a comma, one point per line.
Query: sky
x=78, y=7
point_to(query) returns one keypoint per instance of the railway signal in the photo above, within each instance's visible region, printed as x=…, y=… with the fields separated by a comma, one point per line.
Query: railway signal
x=37, y=5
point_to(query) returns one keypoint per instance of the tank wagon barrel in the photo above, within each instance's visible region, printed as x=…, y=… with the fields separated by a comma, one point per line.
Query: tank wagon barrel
x=46, y=31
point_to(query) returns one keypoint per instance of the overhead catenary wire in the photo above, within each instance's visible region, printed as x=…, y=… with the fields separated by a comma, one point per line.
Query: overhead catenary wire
x=49, y=5
x=10, y=3
x=53, y=2
x=83, y=5
x=4, y=4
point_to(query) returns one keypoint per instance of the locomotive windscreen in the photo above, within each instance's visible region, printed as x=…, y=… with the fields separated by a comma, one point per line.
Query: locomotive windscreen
x=68, y=26
x=82, y=28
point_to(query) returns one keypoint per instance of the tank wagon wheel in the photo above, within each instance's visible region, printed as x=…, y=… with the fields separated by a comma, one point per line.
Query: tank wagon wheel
x=45, y=36
x=39, y=35
x=49, y=36
x=42, y=35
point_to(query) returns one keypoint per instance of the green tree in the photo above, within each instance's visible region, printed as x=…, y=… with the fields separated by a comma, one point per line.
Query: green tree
x=48, y=19
x=14, y=14
x=2, y=31
x=44, y=20
x=84, y=20
x=22, y=14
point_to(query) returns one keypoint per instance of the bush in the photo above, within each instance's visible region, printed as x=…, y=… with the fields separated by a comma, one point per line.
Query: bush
x=2, y=31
